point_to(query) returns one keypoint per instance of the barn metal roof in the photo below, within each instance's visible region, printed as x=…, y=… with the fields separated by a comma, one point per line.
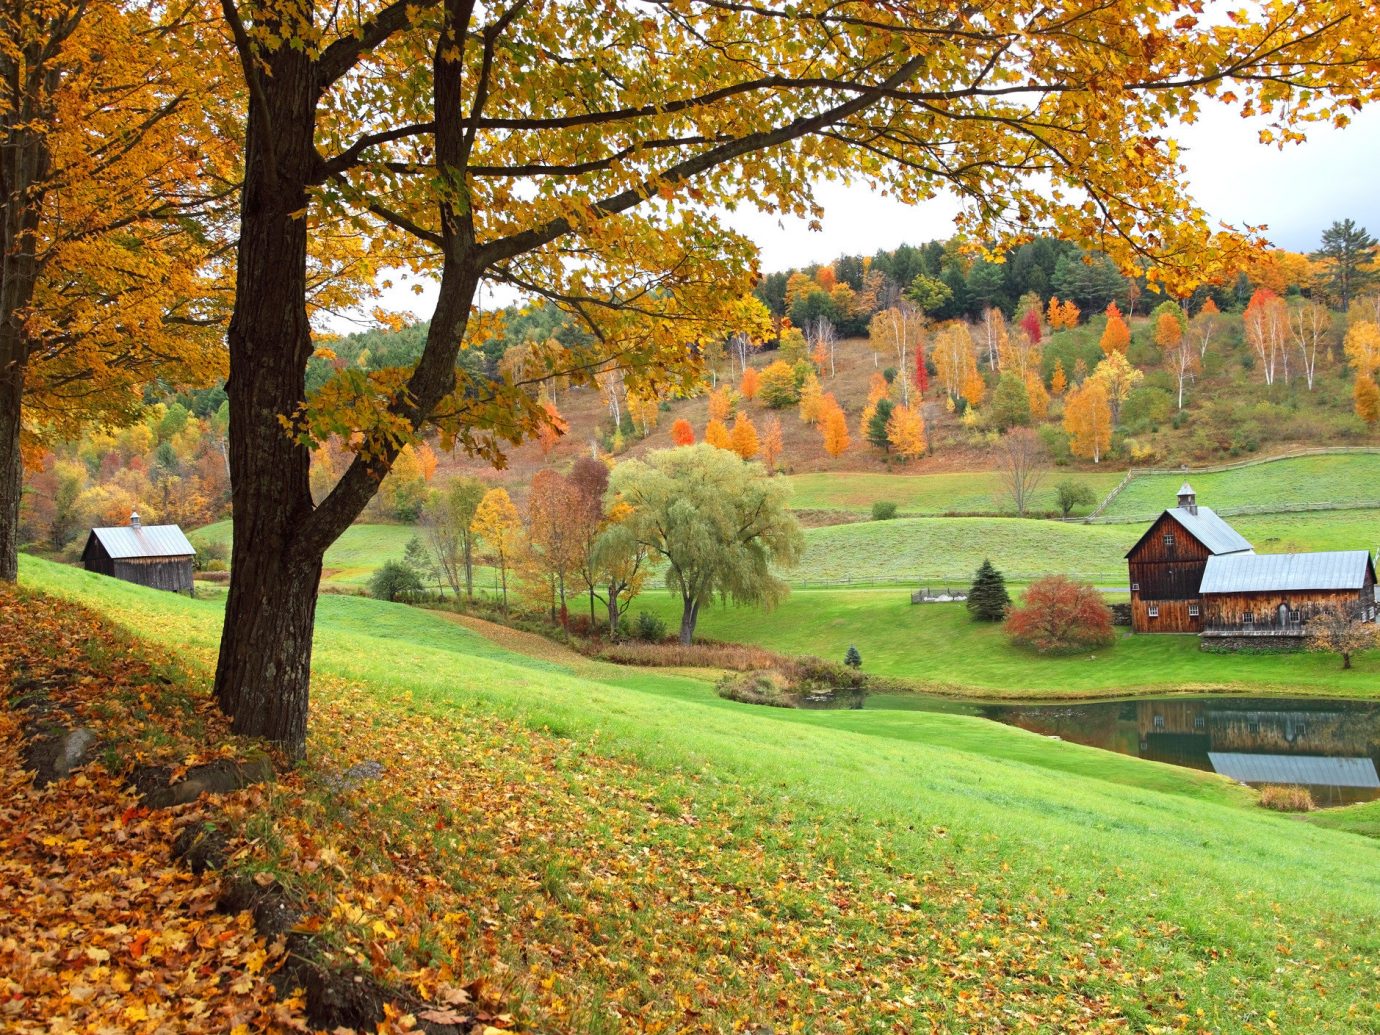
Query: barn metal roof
x=1316, y=770
x=1210, y=530
x=144, y=541
x=1273, y=572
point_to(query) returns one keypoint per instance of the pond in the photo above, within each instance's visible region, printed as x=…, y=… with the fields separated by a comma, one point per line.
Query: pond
x=1330, y=746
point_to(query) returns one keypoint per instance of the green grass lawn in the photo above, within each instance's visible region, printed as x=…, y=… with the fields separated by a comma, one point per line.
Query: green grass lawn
x=357, y=554
x=880, y=870
x=937, y=646
x=1352, y=479
x=969, y=492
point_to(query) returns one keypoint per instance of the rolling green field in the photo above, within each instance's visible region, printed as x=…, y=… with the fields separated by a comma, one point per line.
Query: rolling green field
x=952, y=548
x=1349, y=479
x=859, y=871
x=916, y=495
x=938, y=647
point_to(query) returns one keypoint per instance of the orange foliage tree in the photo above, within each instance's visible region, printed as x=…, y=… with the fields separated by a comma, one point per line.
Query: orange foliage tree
x=751, y=383
x=717, y=435
x=771, y=445
x=1116, y=336
x=1367, y=399
x=682, y=434
x=1060, y=616
x=1059, y=380
x=744, y=437
x=833, y=426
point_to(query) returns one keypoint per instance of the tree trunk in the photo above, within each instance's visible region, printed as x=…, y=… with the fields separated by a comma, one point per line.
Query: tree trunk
x=263, y=675
x=689, y=615
x=613, y=609
x=469, y=568
x=11, y=470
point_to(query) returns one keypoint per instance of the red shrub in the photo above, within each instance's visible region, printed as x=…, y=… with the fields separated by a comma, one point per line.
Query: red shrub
x=1058, y=615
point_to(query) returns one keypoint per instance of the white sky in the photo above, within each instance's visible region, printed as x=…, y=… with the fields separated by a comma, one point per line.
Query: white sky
x=1296, y=192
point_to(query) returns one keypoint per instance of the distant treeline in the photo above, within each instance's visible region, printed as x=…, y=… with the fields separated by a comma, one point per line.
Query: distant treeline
x=950, y=284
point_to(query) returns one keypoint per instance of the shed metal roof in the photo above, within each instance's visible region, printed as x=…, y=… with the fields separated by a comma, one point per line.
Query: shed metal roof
x=1210, y=530
x=1274, y=572
x=1315, y=770
x=145, y=541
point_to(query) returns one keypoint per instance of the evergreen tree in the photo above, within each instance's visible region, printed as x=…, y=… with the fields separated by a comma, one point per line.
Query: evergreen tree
x=1346, y=249
x=852, y=658
x=988, y=600
x=876, y=425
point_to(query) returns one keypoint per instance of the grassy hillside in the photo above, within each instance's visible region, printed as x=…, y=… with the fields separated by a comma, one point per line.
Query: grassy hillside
x=642, y=855
x=952, y=548
x=938, y=646
x=967, y=492
x=1345, y=479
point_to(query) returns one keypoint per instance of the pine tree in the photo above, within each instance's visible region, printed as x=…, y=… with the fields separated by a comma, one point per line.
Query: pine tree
x=988, y=600
x=852, y=658
x=877, y=424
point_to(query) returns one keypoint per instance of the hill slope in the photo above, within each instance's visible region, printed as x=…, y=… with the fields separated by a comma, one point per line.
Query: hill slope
x=638, y=854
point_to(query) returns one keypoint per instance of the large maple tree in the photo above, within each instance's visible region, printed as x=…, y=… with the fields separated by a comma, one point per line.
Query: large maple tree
x=117, y=179
x=578, y=151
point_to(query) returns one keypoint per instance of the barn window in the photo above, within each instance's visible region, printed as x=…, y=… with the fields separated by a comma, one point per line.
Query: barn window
x=1192, y=610
x=1199, y=723
x=1169, y=540
x=1135, y=587
x=1247, y=618
x=1159, y=723
x=1154, y=611
x=1295, y=616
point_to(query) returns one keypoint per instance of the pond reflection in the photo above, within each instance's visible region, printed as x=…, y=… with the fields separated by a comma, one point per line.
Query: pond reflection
x=1331, y=747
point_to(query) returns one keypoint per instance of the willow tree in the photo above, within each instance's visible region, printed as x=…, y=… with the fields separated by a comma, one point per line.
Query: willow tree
x=720, y=526
x=117, y=179
x=579, y=152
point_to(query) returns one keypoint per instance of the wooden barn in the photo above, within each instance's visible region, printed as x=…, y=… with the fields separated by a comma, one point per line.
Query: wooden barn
x=1191, y=572
x=1168, y=563
x=157, y=556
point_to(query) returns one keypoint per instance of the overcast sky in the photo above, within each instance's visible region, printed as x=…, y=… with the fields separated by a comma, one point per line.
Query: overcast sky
x=1296, y=192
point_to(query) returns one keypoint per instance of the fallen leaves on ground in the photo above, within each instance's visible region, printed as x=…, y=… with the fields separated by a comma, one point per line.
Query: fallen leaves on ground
x=99, y=930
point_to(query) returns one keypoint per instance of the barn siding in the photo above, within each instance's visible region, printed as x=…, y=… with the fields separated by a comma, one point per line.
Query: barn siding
x=1168, y=577
x=1226, y=609
x=170, y=573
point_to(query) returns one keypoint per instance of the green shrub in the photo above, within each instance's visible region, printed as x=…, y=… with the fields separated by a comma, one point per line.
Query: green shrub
x=883, y=510
x=393, y=580
x=648, y=627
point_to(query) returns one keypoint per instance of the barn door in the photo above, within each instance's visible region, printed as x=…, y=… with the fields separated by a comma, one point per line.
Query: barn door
x=1284, y=616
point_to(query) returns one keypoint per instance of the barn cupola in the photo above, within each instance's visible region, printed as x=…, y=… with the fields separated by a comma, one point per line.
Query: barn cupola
x=1188, y=499
x=134, y=519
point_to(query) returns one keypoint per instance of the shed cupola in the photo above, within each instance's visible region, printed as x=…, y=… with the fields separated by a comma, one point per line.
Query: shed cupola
x=1188, y=499
x=134, y=519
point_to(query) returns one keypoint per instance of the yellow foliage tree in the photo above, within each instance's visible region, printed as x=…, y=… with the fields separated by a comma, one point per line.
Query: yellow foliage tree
x=810, y=396
x=1088, y=420
x=1039, y=398
x=905, y=430
x=1367, y=399
x=498, y=527
x=720, y=405
x=1119, y=378
x=954, y=361
x=1362, y=347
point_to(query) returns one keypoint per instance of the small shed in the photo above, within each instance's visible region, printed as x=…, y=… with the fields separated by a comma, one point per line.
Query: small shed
x=157, y=556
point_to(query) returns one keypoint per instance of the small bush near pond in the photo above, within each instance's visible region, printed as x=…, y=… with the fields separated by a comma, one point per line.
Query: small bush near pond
x=768, y=688
x=1286, y=798
x=883, y=510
